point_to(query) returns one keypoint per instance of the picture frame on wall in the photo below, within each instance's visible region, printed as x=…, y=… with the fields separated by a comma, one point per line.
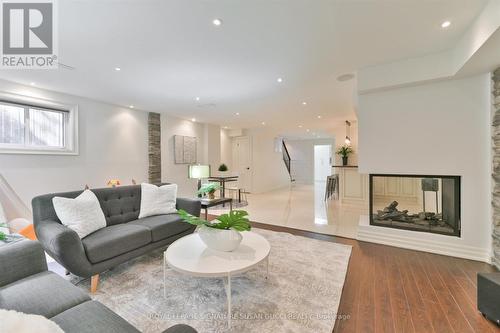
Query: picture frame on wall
x=185, y=149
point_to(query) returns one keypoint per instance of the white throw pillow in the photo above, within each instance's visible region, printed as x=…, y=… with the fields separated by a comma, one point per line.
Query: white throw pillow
x=18, y=322
x=82, y=214
x=157, y=200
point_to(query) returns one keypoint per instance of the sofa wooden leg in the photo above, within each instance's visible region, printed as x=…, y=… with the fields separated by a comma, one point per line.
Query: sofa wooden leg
x=94, y=281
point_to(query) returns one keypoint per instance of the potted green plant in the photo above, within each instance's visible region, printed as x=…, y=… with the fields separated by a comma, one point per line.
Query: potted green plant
x=209, y=189
x=222, y=234
x=223, y=168
x=345, y=151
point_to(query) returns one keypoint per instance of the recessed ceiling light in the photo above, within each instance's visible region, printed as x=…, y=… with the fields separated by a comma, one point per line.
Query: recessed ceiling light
x=279, y=79
x=304, y=103
x=217, y=22
x=307, y=130
x=118, y=69
x=197, y=98
x=445, y=24
x=32, y=83
x=263, y=123
x=237, y=113
x=131, y=106
x=193, y=119
x=300, y=126
x=345, y=77
x=319, y=117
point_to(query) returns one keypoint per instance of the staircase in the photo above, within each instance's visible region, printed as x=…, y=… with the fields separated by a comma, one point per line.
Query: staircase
x=287, y=159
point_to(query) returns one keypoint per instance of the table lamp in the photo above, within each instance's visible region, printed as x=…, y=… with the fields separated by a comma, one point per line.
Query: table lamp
x=199, y=172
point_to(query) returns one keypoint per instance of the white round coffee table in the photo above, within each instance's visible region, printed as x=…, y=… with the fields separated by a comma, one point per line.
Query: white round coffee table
x=189, y=255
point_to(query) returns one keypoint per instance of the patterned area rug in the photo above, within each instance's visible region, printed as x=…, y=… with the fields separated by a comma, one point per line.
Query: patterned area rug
x=301, y=294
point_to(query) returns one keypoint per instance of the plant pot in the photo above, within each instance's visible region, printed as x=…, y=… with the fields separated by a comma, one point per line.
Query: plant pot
x=211, y=195
x=344, y=160
x=220, y=239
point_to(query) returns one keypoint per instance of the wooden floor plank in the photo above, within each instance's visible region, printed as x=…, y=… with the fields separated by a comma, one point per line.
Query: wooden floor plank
x=387, y=286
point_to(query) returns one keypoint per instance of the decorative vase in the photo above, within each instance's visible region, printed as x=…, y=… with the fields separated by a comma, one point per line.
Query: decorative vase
x=220, y=239
x=211, y=195
x=344, y=160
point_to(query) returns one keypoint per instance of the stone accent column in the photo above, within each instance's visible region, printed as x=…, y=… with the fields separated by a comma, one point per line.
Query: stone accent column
x=496, y=167
x=154, y=147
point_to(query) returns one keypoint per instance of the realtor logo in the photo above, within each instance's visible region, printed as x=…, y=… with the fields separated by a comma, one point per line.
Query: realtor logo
x=28, y=34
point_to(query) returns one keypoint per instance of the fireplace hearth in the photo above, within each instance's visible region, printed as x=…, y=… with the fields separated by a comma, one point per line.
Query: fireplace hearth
x=416, y=202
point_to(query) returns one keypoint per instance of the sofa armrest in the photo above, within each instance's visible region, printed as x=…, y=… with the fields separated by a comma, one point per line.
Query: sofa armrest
x=192, y=206
x=65, y=246
x=21, y=259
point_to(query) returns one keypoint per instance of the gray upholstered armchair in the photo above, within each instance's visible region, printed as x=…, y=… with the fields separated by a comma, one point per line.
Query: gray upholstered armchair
x=124, y=237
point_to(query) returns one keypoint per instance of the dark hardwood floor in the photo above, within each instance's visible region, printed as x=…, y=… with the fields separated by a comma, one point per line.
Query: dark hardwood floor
x=389, y=289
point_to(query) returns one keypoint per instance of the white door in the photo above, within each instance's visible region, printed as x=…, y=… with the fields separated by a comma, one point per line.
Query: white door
x=242, y=161
x=322, y=157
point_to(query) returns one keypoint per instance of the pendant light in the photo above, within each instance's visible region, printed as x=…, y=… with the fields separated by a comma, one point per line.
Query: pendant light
x=347, y=132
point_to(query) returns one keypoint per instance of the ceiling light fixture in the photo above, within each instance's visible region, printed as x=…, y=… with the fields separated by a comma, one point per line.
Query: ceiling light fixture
x=319, y=117
x=118, y=69
x=197, y=98
x=307, y=130
x=304, y=103
x=32, y=83
x=193, y=119
x=263, y=123
x=300, y=126
x=279, y=80
x=237, y=113
x=347, y=132
x=445, y=24
x=217, y=22
x=131, y=106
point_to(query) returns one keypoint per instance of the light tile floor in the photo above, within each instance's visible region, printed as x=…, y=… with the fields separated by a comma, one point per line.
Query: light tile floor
x=303, y=207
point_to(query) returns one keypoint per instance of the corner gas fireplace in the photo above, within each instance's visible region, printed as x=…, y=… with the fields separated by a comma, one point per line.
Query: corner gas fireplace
x=416, y=202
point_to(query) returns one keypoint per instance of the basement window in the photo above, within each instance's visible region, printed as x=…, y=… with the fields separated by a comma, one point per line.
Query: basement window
x=37, y=128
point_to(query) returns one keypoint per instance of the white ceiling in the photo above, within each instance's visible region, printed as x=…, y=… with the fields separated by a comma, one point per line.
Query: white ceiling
x=170, y=52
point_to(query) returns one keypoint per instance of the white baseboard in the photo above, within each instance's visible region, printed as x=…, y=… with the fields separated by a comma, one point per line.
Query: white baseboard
x=412, y=240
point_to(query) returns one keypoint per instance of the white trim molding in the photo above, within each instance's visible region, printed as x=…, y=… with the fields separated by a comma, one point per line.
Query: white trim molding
x=410, y=240
x=72, y=125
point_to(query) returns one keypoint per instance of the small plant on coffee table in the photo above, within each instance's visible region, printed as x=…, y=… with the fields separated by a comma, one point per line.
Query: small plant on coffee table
x=235, y=219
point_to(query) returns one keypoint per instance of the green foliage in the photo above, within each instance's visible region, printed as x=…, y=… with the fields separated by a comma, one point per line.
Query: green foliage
x=236, y=220
x=345, y=150
x=3, y=236
x=223, y=167
x=208, y=188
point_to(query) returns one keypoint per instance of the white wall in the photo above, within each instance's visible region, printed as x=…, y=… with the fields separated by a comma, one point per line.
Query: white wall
x=302, y=156
x=208, y=151
x=113, y=144
x=438, y=128
x=269, y=171
x=226, y=150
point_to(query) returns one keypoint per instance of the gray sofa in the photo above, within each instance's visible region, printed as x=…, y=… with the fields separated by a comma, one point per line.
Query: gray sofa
x=124, y=237
x=27, y=286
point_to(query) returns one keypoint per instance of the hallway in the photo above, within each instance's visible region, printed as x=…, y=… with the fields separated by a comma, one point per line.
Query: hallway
x=302, y=206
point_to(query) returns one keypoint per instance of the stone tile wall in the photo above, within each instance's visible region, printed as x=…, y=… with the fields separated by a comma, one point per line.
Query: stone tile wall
x=154, y=147
x=496, y=167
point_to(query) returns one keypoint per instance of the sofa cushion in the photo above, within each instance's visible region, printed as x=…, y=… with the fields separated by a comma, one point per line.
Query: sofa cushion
x=90, y=317
x=45, y=294
x=163, y=226
x=114, y=240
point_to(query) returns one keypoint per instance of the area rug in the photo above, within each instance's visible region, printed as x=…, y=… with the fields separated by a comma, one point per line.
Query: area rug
x=302, y=292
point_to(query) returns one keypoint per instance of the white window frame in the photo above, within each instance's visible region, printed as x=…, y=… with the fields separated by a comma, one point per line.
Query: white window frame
x=71, y=128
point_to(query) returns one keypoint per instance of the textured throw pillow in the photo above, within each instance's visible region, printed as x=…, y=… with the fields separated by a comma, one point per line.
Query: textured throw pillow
x=158, y=200
x=82, y=214
x=18, y=322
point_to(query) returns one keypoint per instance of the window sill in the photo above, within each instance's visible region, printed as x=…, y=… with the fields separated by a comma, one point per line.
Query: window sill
x=37, y=151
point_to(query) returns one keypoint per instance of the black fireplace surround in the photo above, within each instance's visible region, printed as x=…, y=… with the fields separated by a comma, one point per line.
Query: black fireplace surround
x=425, y=203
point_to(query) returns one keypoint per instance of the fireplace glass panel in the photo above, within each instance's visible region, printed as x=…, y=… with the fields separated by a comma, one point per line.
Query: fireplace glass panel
x=418, y=203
